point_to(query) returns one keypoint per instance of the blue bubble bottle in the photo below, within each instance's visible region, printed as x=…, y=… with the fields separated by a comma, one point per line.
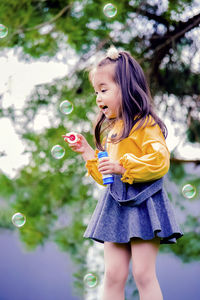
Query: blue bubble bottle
x=107, y=178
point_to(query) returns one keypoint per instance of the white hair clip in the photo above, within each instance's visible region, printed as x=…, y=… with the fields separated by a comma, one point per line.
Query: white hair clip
x=112, y=53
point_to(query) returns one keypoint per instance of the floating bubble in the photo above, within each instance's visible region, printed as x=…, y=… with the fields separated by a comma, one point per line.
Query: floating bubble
x=110, y=10
x=57, y=152
x=189, y=191
x=18, y=219
x=90, y=280
x=66, y=107
x=3, y=31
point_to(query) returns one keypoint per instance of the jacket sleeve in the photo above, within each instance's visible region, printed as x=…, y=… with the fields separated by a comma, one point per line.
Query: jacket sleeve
x=155, y=159
x=92, y=168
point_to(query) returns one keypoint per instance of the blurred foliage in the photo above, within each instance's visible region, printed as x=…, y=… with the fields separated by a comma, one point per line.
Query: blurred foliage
x=159, y=36
x=55, y=195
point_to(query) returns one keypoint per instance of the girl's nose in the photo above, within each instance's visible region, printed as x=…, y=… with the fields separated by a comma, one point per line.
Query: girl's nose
x=98, y=98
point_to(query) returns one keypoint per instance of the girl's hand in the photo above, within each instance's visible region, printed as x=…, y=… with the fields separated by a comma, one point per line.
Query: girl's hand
x=79, y=146
x=82, y=147
x=108, y=166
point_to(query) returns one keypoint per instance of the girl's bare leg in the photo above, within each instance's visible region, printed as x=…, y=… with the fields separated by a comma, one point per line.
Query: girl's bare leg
x=117, y=258
x=144, y=268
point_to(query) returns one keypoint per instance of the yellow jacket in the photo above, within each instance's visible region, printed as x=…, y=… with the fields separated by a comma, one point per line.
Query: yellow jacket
x=143, y=154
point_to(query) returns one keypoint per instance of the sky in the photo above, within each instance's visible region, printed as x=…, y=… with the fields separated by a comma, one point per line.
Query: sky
x=17, y=81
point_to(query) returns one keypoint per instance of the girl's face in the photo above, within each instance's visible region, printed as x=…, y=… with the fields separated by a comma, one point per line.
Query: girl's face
x=107, y=90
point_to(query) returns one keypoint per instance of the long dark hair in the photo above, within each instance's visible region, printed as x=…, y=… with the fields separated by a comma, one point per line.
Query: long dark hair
x=136, y=104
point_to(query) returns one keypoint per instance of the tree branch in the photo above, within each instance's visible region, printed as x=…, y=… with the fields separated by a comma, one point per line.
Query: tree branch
x=162, y=45
x=180, y=161
x=157, y=18
x=61, y=12
x=175, y=35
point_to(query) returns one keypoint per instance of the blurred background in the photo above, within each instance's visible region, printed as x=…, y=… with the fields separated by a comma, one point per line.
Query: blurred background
x=46, y=48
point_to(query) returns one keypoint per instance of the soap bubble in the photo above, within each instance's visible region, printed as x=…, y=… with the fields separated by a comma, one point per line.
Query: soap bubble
x=57, y=152
x=18, y=219
x=110, y=10
x=3, y=31
x=189, y=191
x=66, y=107
x=90, y=280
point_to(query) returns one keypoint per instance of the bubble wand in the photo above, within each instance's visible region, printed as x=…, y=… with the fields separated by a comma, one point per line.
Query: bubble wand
x=71, y=137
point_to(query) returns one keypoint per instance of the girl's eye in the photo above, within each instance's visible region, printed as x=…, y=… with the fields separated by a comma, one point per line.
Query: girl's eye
x=102, y=91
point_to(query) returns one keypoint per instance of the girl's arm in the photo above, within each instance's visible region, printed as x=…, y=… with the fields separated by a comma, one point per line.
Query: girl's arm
x=151, y=166
x=154, y=161
x=89, y=155
x=148, y=167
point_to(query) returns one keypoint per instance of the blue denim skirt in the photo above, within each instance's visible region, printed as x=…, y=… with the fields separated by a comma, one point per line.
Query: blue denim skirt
x=138, y=210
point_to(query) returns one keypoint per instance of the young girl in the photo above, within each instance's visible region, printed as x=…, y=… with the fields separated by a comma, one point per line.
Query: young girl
x=135, y=215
